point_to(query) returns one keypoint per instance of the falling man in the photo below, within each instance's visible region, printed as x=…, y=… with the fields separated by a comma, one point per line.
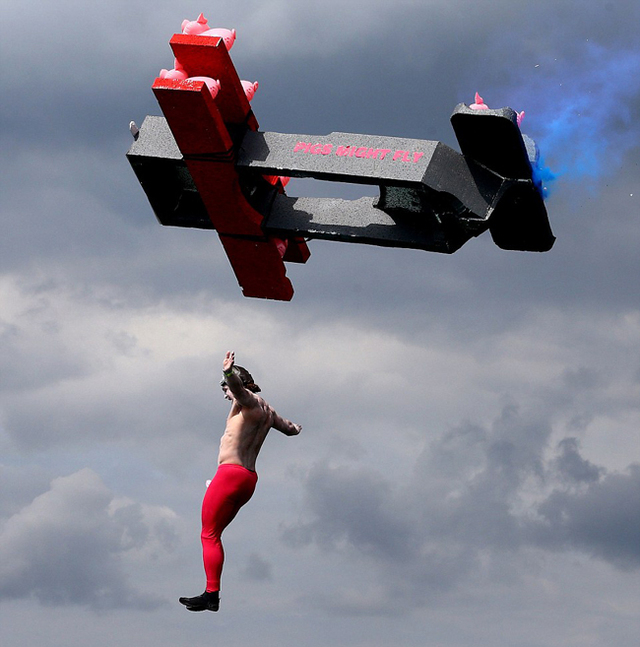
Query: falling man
x=248, y=424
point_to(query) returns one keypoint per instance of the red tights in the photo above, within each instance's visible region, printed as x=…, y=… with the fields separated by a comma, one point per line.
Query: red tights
x=230, y=489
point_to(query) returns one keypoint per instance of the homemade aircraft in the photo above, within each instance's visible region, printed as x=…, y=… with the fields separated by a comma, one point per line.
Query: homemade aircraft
x=205, y=164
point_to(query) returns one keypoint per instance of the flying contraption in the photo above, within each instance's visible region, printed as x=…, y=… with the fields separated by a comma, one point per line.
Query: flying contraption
x=205, y=164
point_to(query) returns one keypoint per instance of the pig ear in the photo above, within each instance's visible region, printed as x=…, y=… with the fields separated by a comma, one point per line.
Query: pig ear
x=185, y=22
x=478, y=98
x=201, y=19
x=233, y=31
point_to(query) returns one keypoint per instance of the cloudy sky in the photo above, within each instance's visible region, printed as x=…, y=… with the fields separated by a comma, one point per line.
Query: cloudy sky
x=469, y=467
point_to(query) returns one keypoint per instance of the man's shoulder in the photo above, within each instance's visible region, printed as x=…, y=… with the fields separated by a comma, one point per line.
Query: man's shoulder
x=259, y=408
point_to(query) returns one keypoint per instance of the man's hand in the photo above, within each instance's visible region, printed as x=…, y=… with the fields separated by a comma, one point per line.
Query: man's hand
x=227, y=363
x=235, y=385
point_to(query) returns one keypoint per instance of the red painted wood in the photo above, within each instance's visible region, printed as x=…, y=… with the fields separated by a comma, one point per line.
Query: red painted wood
x=208, y=56
x=204, y=141
x=258, y=267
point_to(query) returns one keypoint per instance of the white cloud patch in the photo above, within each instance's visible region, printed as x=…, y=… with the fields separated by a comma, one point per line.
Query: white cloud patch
x=71, y=543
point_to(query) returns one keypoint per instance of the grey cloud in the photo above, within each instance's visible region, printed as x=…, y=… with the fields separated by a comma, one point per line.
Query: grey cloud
x=84, y=411
x=353, y=507
x=19, y=486
x=468, y=503
x=33, y=359
x=582, y=378
x=257, y=568
x=602, y=520
x=460, y=535
x=572, y=466
x=66, y=547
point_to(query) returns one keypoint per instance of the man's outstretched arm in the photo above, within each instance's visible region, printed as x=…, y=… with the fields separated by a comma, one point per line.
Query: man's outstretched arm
x=285, y=426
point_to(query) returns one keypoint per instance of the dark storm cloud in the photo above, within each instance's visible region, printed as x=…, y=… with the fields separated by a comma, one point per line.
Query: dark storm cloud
x=66, y=546
x=603, y=519
x=468, y=501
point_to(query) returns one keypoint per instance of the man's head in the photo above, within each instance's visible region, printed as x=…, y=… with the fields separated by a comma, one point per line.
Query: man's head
x=247, y=379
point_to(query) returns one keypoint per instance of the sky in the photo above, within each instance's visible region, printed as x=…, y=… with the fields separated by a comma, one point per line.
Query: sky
x=468, y=472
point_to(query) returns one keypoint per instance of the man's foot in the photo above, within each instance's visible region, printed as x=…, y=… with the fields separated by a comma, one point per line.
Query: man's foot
x=208, y=601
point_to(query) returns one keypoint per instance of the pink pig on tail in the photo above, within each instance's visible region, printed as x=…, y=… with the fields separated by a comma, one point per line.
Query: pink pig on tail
x=479, y=103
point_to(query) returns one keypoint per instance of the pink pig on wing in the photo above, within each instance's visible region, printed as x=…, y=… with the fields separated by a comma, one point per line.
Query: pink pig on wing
x=194, y=27
x=200, y=27
x=212, y=84
x=227, y=35
x=175, y=73
x=249, y=89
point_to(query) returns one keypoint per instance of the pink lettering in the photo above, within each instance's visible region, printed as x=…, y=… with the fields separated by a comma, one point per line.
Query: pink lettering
x=362, y=152
x=416, y=157
x=403, y=156
x=314, y=149
x=301, y=146
x=345, y=150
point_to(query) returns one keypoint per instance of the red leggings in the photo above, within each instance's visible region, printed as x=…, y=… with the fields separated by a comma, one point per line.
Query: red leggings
x=230, y=489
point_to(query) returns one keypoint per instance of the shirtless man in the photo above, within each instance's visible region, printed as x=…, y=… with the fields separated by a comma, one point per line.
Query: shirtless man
x=248, y=424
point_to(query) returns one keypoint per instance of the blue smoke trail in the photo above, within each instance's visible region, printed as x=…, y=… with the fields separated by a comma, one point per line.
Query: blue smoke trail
x=543, y=177
x=584, y=113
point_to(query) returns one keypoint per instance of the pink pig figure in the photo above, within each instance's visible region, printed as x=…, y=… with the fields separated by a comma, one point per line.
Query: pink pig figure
x=227, y=35
x=200, y=27
x=479, y=103
x=194, y=27
x=249, y=89
x=176, y=73
x=212, y=84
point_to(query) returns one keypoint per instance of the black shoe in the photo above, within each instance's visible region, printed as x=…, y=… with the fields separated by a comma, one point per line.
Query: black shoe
x=208, y=601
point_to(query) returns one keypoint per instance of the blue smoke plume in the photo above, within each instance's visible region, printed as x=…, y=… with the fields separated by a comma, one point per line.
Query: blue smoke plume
x=583, y=112
x=543, y=176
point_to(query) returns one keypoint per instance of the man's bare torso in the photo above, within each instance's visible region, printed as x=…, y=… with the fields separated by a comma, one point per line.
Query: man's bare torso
x=249, y=420
x=245, y=433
